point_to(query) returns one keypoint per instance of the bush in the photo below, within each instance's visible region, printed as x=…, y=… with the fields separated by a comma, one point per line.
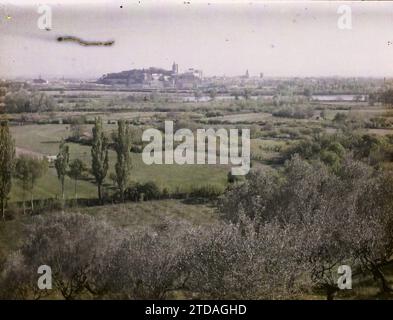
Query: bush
x=88, y=258
x=336, y=217
x=142, y=192
x=75, y=246
x=207, y=191
x=151, y=264
x=294, y=112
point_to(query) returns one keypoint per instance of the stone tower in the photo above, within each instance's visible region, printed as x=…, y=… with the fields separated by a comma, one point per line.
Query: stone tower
x=175, y=68
x=247, y=75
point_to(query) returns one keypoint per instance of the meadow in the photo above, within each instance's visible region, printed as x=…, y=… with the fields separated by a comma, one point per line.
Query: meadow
x=271, y=134
x=45, y=140
x=276, y=128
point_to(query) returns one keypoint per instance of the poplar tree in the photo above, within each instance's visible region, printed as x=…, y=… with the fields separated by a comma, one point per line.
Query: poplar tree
x=7, y=156
x=61, y=165
x=122, y=145
x=99, y=155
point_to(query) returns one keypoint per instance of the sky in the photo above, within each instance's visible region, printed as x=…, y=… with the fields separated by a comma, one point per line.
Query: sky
x=278, y=38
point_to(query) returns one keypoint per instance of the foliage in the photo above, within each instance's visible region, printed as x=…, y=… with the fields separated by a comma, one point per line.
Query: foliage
x=77, y=168
x=294, y=112
x=71, y=244
x=28, y=101
x=207, y=191
x=122, y=146
x=27, y=171
x=337, y=216
x=61, y=164
x=142, y=192
x=7, y=154
x=99, y=155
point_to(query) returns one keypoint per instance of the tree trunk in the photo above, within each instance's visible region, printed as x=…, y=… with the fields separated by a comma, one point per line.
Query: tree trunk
x=330, y=292
x=99, y=192
x=62, y=191
x=122, y=194
x=32, y=202
x=2, y=209
x=76, y=196
x=24, y=201
x=378, y=275
x=62, y=196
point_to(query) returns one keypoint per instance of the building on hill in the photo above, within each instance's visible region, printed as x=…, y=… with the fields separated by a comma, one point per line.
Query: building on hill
x=153, y=78
x=40, y=81
x=138, y=78
x=190, y=79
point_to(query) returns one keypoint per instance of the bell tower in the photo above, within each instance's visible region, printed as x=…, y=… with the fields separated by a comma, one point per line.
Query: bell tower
x=175, y=68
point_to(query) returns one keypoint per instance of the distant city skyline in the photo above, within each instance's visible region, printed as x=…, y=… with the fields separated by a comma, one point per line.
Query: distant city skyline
x=277, y=39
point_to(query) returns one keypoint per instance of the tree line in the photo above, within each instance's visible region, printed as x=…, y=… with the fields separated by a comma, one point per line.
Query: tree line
x=27, y=169
x=28, y=101
x=282, y=234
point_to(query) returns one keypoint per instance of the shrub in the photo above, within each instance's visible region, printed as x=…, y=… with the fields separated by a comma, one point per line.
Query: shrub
x=75, y=246
x=142, y=192
x=207, y=191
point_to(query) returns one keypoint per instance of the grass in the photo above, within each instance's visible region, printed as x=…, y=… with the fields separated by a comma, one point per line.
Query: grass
x=45, y=139
x=133, y=215
x=129, y=215
x=242, y=117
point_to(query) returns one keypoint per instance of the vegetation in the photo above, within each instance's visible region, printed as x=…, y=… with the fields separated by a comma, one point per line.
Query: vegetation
x=28, y=101
x=7, y=154
x=27, y=171
x=122, y=146
x=76, y=171
x=99, y=155
x=319, y=195
x=61, y=165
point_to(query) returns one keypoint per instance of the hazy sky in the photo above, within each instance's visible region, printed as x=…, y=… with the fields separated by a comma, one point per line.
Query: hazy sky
x=278, y=39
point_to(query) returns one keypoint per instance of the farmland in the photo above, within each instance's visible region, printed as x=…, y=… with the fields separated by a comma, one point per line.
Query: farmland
x=45, y=139
x=196, y=198
x=271, y=134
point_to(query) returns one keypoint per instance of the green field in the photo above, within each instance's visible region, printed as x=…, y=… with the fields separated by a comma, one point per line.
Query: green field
x=45, y=139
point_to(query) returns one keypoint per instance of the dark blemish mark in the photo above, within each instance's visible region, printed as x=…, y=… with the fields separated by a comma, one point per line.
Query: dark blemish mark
x=389, y=43
x=121, y=7
x=85, y=43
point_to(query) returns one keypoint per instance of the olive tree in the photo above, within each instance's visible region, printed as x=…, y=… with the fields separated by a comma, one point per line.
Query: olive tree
x=73, y=245
x=340, y=216
x=150, y=264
